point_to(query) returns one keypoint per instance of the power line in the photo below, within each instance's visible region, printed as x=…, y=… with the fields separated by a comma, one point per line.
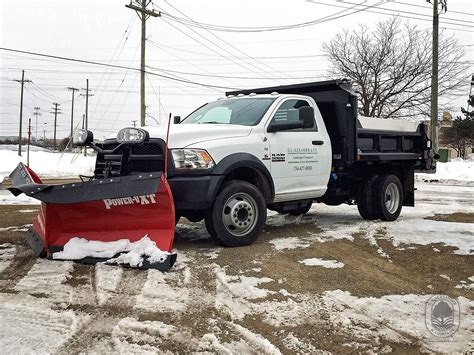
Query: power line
x=231, y=59
x=124, y=38
x=220, y=28
x=223, y=41
x=112, y=66
x=427, y=8
x=389, y=12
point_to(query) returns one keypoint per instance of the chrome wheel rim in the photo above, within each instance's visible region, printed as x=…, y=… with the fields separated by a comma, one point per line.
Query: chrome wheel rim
x=240, y=214
x=392, y=197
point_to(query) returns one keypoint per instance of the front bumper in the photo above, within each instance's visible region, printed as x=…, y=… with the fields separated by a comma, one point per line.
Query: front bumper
x=194, y=192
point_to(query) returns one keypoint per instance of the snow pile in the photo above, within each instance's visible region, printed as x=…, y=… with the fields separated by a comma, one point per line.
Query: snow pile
x=45, y=163
x=329, y=264
x=131, y=253
x=455, y=171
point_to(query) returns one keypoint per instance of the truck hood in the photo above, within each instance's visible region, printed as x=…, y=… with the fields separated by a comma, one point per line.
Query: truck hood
x=183, y=135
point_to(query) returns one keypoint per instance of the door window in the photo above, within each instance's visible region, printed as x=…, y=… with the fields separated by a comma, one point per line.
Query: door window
x=288, y=112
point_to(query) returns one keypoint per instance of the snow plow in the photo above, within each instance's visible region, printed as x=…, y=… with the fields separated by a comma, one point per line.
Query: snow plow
x=102, y=210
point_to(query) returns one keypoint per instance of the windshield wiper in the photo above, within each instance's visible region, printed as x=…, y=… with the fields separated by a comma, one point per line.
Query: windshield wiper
x=212, y=122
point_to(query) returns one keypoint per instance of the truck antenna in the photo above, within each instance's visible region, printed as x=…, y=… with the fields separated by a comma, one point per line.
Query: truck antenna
x=166, y=146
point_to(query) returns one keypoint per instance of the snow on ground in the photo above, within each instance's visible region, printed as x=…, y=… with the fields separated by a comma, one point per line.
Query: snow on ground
x=412, y=227
x=329, y=264
x=164, y=292
x=6, y=198
x=393, y=317
x=30, y=325
x=46, y=164
x=289, y=243
x=47, y=278
x=7, y=253
x=44, y=309
x=107, y=278
x=457, y=171
x=467, y=284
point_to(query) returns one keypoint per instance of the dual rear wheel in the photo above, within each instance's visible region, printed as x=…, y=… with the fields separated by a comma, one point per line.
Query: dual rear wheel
x=380, y=197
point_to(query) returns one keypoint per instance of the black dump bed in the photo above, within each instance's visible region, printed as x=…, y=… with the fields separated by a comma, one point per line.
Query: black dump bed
x=350, y=142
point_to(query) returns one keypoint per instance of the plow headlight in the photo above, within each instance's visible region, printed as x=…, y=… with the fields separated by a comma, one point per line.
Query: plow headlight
x=132, y=135
x=82, y=137
x=192, y=159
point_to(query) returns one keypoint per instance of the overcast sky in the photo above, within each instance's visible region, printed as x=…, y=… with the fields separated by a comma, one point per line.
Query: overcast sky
x=108, y=32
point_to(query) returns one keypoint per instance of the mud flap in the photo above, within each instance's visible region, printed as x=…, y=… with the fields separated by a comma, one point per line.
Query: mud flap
x=127, y=207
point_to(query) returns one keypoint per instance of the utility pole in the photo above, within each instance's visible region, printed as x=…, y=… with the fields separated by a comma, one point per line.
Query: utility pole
x=434, y=71
x=29, y=141
x=143, y=14
x=72, y=115
x=22, y=81
x=36, y=114
x=86, y=117
x=56, y=113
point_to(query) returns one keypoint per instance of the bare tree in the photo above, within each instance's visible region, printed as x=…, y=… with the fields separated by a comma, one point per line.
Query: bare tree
x=390, y=67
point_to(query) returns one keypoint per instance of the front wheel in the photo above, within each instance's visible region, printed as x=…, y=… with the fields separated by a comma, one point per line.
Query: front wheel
x=238, y=215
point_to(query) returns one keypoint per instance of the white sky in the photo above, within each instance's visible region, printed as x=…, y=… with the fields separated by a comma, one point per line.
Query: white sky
x=95, y=30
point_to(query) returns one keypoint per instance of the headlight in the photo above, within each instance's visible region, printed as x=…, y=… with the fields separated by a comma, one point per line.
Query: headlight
x=132, y=135
x=192, y=159
x=82, y=137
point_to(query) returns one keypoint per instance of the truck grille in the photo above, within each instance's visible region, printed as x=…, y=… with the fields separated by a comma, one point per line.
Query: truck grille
x=130, y=159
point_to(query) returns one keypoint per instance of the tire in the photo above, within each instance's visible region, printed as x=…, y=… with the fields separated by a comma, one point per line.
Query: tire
x=300, y=210
x=387, y=197
x=365, y=203
x=210, y=226
x=238, y=214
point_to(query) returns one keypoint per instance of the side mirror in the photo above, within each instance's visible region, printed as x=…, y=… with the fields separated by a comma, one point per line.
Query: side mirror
x=306, y=115
x=176, y=119
x=82, y=137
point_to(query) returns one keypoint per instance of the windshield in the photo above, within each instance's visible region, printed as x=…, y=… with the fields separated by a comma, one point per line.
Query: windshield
x=245, y=111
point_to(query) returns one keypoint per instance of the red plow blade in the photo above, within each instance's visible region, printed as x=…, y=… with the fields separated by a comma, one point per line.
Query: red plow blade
x=126, y=207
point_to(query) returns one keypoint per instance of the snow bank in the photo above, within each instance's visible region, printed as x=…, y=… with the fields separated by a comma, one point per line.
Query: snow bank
x=45, y=163
x=455, y=171
x=131, y=253
x=329, y=264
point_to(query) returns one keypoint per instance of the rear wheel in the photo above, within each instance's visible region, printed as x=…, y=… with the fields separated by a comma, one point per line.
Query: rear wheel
x=365, y=201
x=238, y=215
x=388, y=197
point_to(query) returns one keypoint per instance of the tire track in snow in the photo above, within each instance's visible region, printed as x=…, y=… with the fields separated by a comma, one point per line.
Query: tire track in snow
x=105, y=318
x=18, y=268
